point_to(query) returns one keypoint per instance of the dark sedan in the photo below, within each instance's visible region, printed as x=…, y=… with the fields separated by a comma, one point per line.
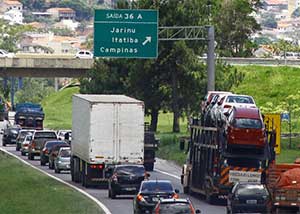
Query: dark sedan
x=10, y=135
x=150, y=193
x=125, y=180
x=48, y=149
x=249, y=198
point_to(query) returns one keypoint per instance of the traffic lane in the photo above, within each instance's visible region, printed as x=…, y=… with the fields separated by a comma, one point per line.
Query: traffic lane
x=198, y=201
x=124, y=204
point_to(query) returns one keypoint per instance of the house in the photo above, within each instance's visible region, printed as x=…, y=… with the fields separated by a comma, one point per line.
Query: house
x=62, y=13
x=49, y=43
x=67, y=23
x=7, y=5
x=13, y=16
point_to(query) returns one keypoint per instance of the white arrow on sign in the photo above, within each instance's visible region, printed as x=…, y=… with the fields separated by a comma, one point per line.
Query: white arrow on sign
x=148, y=39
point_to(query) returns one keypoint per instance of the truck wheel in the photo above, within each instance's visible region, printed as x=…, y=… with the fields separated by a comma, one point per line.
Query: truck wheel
x=186, y=190
x=72, y=169
x=76, y=170
x=149, y=167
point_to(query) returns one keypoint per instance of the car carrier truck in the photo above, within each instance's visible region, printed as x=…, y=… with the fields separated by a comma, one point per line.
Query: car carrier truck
x=106, y=130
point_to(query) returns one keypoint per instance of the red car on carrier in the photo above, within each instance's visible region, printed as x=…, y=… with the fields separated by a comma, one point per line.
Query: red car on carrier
x=245, y=128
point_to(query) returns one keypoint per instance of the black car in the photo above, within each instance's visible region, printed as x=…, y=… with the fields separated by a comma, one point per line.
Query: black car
x=150, y=193
x=54, y=152
x=249, y=198
x=125, y=180
x=10, y=135
x=47, y=150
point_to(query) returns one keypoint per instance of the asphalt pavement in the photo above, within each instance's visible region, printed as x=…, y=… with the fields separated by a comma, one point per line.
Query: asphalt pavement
x=123, y=204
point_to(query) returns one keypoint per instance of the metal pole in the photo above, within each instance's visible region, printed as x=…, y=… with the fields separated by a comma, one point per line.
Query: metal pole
x=211, y=59
x=56, y=84
x=12, y=92
x=20, y=83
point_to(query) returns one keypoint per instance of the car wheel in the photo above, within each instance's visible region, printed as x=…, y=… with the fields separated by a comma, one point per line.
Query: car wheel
x=3, y=144
x=17, y=147
x=30, y=156
x=43, y=163
x=51, y=165
x=112, y=194
x=227, y=210
x=56, y=170
x=23, y=153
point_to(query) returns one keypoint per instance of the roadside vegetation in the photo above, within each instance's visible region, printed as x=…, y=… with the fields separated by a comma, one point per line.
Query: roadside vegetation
x=270, y=86
x=24, y=190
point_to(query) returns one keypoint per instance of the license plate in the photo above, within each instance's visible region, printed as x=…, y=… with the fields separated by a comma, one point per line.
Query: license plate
x=155, y=199
x=251, y=201
x=130, y=188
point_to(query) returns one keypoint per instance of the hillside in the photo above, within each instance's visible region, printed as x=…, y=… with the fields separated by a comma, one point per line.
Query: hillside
x=270, y=86
x=58, y=109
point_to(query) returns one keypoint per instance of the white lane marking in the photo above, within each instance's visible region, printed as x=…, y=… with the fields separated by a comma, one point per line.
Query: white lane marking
x=169, y=174
x=104, y=208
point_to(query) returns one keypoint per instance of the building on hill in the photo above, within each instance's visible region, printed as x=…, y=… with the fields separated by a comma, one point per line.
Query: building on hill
x=7, y=5
x=62, y=13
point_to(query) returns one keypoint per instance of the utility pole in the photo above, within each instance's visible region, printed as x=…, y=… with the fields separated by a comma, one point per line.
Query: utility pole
x=211, y=59
x=210, y=51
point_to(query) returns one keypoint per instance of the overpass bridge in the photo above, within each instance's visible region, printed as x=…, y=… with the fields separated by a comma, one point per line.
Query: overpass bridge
x=44, y=66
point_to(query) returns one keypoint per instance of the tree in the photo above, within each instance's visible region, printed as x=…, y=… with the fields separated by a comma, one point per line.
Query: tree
x=234, y=26
x=34, y=90
x=10, y=35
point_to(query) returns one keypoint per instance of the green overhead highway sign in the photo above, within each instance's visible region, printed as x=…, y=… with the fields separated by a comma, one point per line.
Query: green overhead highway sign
x=126, y=33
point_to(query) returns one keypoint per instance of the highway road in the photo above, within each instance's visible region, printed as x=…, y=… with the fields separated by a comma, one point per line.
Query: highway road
x=123, y=204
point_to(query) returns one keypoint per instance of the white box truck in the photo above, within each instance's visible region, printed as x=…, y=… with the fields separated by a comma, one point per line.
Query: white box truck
x=106, y=130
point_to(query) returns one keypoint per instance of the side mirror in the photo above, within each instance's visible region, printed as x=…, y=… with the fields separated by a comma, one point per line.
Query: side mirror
x=181, y=145
x=176, y=191
x=198, y=211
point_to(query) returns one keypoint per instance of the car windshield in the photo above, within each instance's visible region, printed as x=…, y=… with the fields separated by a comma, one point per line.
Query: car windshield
x=174, y=208
x=247, y=123
x=65, y=153
x=247, y=190
x=130, y=170
x=239, y=99
x=45, y=135
x=157, y=187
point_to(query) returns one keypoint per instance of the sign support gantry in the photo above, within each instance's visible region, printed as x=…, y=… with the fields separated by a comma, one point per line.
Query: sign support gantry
x=204, y=33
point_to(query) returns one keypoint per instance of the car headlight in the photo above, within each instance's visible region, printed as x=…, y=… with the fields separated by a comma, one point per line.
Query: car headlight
x=59, y=161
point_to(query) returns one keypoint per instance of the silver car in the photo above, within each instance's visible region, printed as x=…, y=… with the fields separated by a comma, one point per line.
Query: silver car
x=63, y=160
x=25, y=144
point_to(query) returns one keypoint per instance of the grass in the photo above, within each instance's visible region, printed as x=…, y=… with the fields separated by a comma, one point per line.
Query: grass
x=24, y=190
x=58, y=109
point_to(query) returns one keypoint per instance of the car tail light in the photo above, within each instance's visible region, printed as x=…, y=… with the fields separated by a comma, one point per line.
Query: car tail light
x=114, y=177
x=192, y=209
x=33, y=144
x=98, y=166
x=45, y=150
x=227, y=106
x=25, y=144
x=140, y=198
x=175, y=195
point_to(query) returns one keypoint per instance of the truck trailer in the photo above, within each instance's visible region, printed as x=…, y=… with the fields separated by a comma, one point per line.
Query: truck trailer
x=106, y=130
x=211, y=170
